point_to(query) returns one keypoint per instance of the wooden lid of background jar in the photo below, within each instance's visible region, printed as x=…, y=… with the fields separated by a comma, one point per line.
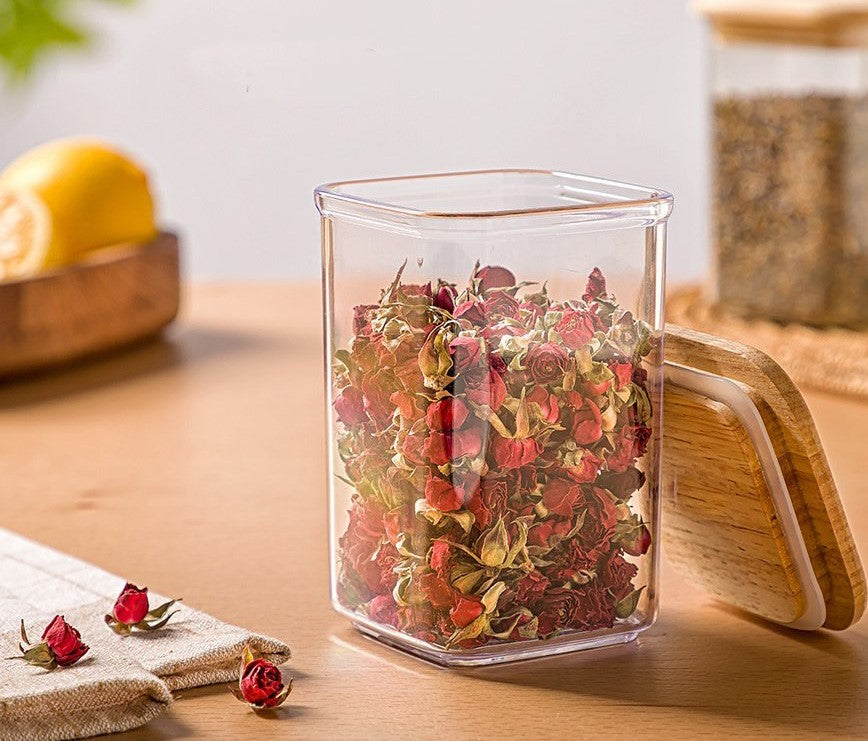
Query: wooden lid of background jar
x=750, y=509
x=806, y=22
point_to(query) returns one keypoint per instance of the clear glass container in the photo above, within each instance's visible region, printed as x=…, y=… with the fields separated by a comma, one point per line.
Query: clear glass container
x=493, y=363
x=790, y=161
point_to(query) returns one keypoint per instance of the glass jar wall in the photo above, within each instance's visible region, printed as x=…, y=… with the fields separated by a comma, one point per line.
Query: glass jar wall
x=493, y=362
x=790, y=163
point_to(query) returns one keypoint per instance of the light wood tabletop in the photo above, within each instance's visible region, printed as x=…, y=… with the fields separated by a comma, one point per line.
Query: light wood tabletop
x=195, y=465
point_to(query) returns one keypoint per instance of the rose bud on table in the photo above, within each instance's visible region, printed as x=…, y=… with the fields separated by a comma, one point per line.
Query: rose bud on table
x=260, y=684
x=61, y=646
x=132, y=610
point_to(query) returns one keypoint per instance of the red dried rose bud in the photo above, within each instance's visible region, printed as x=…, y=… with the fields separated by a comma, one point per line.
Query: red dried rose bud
x=587, y=425
x=601, y=504
x=539, y=534
x=350, y=406
x=449, y=446
x=64, y=641
x=445, y=298
x=532, y=312
x=547, y=362
x=437, y=591
x=641, y=436
x=410, y=290
x=489, y=391
x=132, y=610
x=514, y=453
x=501, y=304
x=619, y=575
x=489, y=501
x=576, y=328
x=530, y=589
x=494, y=276
x=384, y=610
x=361, y=323
x=496, y=363
x=639, y=542
x=596, y=285
x=441, y=557
x=560, y=495
x=625, y=450
x=472, y=311
x=132, y=605
x=560, y=609
x=598, y=389
x=623, y=373
x=443, y=495
x=467, y=609
x=377, y=403
x=587, y=469
x=60, y=646
x=260, y=684
x=406, y=404
x=446, y=414
x=465, y=352
x=548, y=404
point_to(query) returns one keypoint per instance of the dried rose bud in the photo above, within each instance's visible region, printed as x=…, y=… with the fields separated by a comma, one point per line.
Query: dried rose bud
x=260, y=683
x=596, y=285
x=64, y=641
x=639, y=541
x=547, y=362
x=494, y=276
x=132, y=605
x=445, y=298
x=132, y=610
x=61, y=646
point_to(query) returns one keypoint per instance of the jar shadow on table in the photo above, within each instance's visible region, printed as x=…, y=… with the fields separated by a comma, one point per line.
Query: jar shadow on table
x=742, y=668
x=180, y=347
x=701, y=660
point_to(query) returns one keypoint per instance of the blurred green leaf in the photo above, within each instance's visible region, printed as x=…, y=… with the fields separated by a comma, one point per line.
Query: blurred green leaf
x=31, y=29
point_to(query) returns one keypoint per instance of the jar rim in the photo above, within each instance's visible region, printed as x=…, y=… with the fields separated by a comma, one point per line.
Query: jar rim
x=547, y=193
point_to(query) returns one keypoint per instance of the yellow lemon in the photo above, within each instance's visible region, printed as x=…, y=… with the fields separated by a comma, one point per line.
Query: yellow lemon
x=92, y=195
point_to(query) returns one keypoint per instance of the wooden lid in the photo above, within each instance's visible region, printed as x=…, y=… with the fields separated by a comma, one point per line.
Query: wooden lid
x=807, y=22
x=750, y=510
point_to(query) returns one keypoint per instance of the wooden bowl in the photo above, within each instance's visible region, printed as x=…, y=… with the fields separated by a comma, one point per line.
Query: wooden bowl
x=115, y=297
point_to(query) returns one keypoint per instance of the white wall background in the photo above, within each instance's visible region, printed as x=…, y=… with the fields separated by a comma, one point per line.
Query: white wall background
x=239, y=108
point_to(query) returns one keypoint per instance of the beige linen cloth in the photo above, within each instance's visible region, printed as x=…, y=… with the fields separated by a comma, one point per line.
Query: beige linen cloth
x=122, y=682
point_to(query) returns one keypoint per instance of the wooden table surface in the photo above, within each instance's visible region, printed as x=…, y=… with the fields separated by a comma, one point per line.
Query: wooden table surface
x=195, y=465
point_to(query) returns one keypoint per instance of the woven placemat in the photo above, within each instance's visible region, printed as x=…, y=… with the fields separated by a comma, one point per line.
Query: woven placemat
x=833, y=360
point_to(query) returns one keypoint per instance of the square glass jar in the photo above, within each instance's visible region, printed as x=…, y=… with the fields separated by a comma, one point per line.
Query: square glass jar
x=493, y=369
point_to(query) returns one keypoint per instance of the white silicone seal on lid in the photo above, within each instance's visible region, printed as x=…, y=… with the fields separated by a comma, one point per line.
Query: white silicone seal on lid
x=731, y=394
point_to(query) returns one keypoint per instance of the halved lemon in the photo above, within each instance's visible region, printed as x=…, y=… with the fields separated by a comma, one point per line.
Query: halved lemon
x=25, y=230
x=94, y=196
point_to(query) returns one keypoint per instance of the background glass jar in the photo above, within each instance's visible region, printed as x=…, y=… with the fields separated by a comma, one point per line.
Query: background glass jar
x=493, y=362
x=790, y=150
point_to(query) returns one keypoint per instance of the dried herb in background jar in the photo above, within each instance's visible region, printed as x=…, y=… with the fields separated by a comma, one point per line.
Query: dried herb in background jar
x=791, y=207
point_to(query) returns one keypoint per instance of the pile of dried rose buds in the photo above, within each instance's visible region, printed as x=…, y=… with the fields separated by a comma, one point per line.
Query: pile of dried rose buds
x=493, y=440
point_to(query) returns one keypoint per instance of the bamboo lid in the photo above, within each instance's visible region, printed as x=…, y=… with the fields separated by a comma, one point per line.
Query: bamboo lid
x=805, y=22
x=750, y=509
